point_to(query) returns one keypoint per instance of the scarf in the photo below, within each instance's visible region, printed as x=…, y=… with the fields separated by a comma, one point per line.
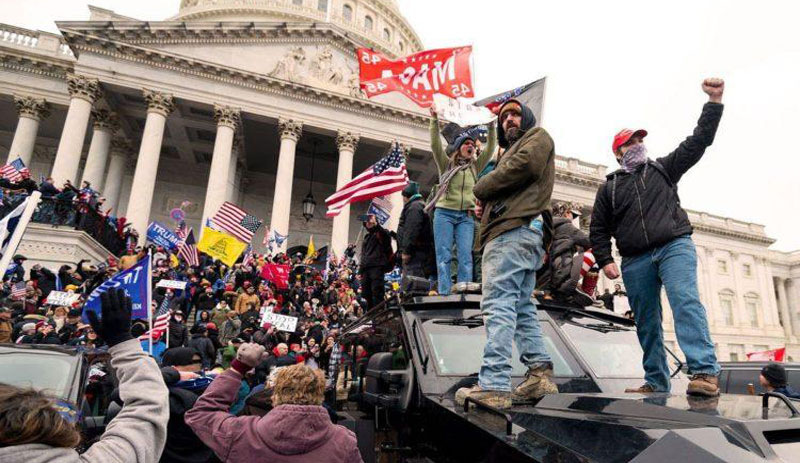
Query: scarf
x=444, y=180
x=634, y=157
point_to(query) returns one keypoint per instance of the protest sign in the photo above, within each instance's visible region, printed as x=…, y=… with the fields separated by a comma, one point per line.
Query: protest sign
x=61, y=298
x=171, y=284
x=220, y=245
x=160, y=235
x=418, y=76
x=280, y=322
x=381, y=208
x=460, y=112
x=136, y=283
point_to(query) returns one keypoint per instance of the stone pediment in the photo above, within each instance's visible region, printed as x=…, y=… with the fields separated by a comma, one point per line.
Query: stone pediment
x=313, y=55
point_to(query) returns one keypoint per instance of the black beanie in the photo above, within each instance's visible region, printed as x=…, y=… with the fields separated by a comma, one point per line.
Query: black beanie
x=775, y=374
x=411, y=189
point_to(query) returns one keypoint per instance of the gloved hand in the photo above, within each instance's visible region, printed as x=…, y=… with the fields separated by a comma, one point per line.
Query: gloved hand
x=115, y=325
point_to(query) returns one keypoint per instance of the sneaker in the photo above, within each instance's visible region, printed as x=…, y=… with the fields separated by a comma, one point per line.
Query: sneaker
x=704, y=385
x=496, y=399
x=581, y=298
x=536, y=385
x=643, y=389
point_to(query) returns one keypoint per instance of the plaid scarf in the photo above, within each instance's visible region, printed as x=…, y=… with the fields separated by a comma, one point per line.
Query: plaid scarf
x=444, y=180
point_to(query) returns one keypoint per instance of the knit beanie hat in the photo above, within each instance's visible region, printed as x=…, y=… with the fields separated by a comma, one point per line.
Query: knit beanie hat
x=411, y=189
x=775, y=374
x=508, y=106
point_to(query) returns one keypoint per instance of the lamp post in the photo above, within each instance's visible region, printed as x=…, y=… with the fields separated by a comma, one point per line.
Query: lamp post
x=309, y=204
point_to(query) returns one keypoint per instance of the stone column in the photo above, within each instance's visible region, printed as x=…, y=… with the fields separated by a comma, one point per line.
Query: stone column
x=290, y=131
x=159, y=106
x=743, y=315
x=217, y=189
x=31, y=111
x=793, y=303
x=231, y=188
x=346, y=142
x=783, y=305
x=83, y=93
x=120, y=153
x=105, y=124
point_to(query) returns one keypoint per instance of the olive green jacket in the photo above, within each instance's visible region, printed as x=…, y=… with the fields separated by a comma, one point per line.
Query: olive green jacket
x=459, y=192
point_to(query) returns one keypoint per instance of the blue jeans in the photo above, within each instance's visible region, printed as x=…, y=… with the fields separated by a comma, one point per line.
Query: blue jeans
x=673, y=265
x=510, y=262
x=449, y=226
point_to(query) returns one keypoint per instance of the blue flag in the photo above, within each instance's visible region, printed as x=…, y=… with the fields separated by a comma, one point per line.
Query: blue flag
x=135, y=282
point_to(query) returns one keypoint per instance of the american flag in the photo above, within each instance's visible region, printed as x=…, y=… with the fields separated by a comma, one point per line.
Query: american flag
x=386, y=176
x=13, y=171
x=233, y=219
x=187, y=250
x=160, y=323
x=18, y=290
x=249, y=257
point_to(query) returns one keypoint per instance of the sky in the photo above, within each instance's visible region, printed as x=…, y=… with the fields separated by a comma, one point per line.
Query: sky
x=616, y=64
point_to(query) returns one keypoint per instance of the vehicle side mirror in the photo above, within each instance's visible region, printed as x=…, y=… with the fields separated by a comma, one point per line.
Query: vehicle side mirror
x=384, y=386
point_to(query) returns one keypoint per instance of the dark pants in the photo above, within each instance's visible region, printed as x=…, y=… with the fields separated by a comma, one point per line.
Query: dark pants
x=372, y=286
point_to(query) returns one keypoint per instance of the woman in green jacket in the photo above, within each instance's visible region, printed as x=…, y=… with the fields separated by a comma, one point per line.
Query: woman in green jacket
x=453, y=202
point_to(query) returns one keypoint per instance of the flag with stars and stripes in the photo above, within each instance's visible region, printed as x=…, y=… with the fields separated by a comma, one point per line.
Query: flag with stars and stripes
x=187, y=250
x=160, y=322
x=234, y=220
x=18, y=290
x=13, y=171
x=388, y=175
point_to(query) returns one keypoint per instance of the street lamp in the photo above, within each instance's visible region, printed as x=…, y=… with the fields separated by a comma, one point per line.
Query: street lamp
x=308, y=202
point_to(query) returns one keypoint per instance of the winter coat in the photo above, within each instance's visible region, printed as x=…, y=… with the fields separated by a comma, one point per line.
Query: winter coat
x=45, y=280
x=415, y=235
x=562, y=272
x=205, y=347
x=376, y=250
x=178, y=334
x=288, y=433
x=219, y=315
x=5, y=331
x=136, y=435
x=641, y=210
x=229, y=330
x=205, y=301
x=182, y=444
x=243, y=299
x=458, y=196
x=522, y=181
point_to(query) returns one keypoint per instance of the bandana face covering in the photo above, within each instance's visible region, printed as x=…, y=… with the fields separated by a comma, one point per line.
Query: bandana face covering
x=634, y=157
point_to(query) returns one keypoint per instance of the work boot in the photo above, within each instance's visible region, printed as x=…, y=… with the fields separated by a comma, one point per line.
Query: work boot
x=496, y=399
x=643, y=389
x=537, y=383
x=704, y=385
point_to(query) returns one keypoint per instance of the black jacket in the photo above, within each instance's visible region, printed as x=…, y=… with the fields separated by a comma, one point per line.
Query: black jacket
x=182, y=444
x=178, y=334
x=415, y=234
x=642, y=210
x=376, y=250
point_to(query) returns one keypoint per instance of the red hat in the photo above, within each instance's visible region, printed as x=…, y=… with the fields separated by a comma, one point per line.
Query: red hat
x=624, y=135
x=211, y=326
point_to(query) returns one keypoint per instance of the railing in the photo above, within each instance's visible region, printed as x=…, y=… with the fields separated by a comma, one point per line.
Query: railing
x=42, y=42
x=61, y=213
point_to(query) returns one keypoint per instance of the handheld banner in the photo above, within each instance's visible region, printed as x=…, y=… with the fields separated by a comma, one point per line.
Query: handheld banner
x=135, y=282
x=461, y=113
x=61, y=298
x=171, y=284
x=160, y=235
x=280, y=322
x=418, y=76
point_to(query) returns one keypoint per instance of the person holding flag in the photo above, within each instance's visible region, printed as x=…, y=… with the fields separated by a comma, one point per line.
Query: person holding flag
x=452, y=200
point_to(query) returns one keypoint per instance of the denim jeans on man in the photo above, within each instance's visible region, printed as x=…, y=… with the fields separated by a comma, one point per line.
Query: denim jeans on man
x=510, y=262
x=673, y=265
x=448, y=226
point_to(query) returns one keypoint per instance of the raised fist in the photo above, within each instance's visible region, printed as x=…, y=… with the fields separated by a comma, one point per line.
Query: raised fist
x=714, y=87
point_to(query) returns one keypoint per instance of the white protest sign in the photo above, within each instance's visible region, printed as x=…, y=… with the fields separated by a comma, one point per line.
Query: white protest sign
x=61, y=298
x=460, y=112
x=280, y=322
x=172, y=284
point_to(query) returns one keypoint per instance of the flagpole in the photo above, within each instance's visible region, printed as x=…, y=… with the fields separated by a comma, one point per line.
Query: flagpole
x=150, y=297
x=24, y=219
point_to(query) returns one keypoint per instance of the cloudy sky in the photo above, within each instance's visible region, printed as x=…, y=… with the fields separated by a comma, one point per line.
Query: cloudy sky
x=615, y=64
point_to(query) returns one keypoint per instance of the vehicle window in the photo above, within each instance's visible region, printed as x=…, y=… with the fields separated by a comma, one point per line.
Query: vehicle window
x=738, y=380
x=610, y=354
x=793, y=377
x=384, y=334
x=46, y=373
x=458, y=350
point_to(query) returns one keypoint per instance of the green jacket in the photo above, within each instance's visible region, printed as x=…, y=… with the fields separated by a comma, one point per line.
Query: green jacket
x=459, y=192
x=522, y=180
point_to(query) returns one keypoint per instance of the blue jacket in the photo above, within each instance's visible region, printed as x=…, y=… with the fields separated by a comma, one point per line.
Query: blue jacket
x=788, y=392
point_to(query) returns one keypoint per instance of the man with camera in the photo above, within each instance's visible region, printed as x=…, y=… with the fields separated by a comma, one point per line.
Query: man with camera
x=515, y=224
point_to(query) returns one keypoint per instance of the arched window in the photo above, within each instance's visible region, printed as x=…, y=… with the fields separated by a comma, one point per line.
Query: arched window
x=726, y=302
x=347, y=12
x=387, y=36
x=752, y=305
x=368, y=22
x=402, y=46
x=322, y=5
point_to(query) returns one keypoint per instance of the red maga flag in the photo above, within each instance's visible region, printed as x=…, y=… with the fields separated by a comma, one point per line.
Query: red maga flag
x=418, y=76
x=775, y=355
x=276, y=273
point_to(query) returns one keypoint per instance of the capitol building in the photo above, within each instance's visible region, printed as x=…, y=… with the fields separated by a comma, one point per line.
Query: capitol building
x=257, y=102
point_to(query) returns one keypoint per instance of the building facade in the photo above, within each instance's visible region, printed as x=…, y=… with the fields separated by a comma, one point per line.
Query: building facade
x=257, y=102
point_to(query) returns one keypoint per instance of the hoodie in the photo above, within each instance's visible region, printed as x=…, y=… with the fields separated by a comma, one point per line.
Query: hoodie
x=288, y=433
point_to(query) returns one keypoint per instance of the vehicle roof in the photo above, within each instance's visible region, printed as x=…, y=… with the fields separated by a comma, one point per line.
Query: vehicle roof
x=758, y=365
x=40, y=348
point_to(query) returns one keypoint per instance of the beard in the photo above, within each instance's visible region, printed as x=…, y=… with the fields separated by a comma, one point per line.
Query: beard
x=513, y=134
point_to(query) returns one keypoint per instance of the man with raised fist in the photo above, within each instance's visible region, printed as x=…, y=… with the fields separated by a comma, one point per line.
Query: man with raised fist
x=639, y=207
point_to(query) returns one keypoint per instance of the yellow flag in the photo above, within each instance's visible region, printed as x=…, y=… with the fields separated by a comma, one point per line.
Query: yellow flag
x=220, y=246
x=173, y=261
x=311, y=249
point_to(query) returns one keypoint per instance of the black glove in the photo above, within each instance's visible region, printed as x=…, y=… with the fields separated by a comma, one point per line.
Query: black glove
x=115, y=325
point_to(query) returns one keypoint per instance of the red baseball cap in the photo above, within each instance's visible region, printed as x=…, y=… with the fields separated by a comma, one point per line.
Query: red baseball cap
x=624, y=135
